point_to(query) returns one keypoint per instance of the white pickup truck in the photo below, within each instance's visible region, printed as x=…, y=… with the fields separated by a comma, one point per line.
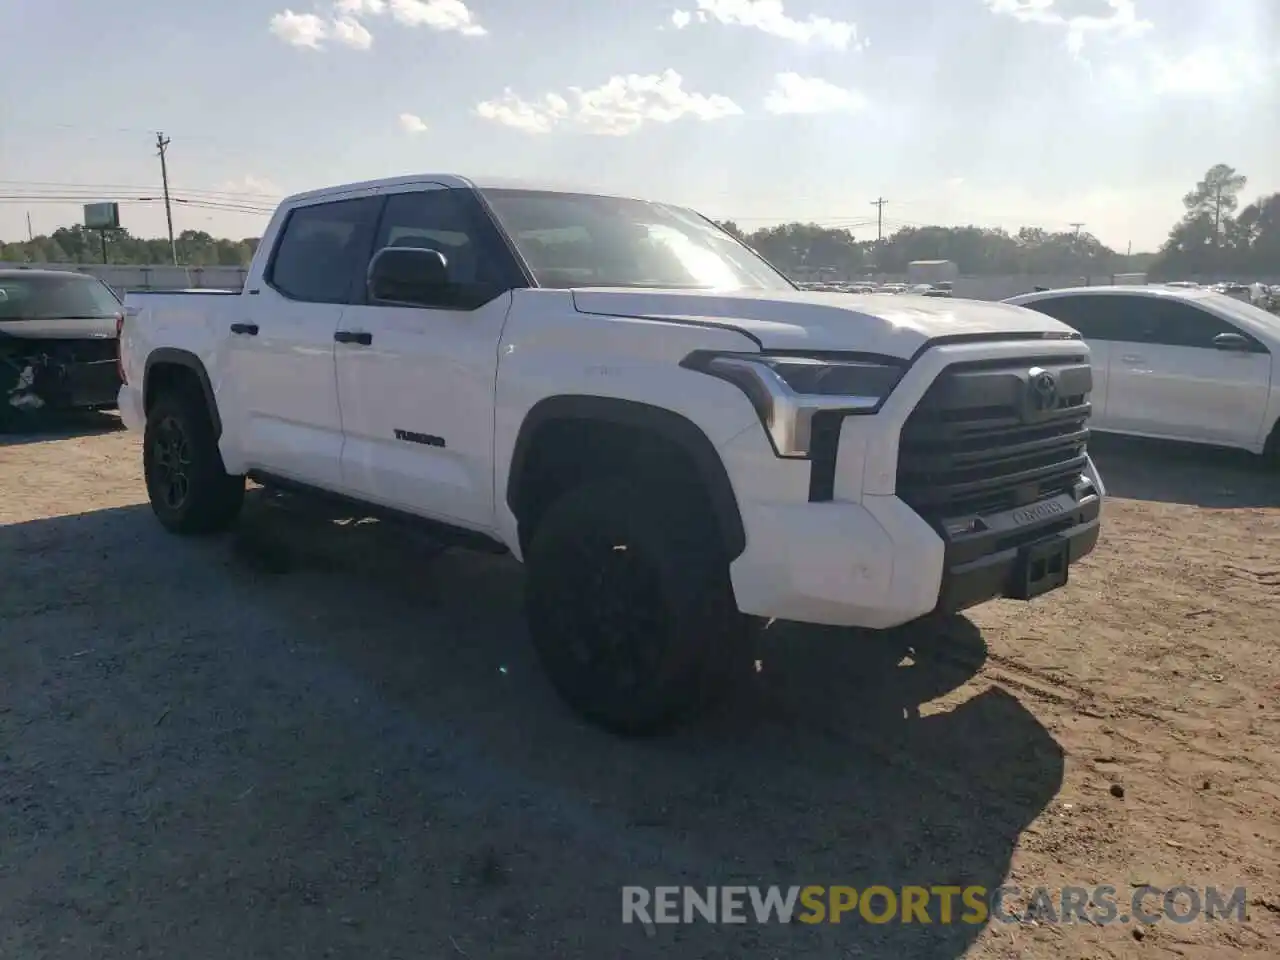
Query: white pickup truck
x=666, y=432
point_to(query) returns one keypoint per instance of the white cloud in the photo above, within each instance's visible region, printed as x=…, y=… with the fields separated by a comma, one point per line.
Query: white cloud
x=1122, y=22
x=769, y=16
x=360, y=8
x=793, y=93
x=249, y=184
x=527, y=116
x=620, y=106
x=299, y=29
x=351, y=33
x=412, y=123
x=436, y=14
x=344, y=21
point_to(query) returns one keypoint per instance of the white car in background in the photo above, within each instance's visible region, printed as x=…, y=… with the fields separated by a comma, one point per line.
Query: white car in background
x=1176, y=363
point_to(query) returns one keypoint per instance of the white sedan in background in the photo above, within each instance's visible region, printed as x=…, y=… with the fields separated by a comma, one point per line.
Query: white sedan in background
x=1176, y=363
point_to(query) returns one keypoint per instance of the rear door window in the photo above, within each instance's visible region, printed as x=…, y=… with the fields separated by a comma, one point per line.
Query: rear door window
x=323, y=250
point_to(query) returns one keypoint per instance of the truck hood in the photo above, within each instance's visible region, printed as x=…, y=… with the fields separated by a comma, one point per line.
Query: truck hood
x=884, y=324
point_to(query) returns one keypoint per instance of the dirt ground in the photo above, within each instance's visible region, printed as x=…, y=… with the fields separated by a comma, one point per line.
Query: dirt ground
x=314, y=739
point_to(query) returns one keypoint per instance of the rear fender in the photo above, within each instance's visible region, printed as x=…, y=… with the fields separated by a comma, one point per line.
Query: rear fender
x=175, y=357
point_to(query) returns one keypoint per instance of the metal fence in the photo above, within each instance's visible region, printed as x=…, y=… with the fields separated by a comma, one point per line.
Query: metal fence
x=124, y=277
x=166, y=277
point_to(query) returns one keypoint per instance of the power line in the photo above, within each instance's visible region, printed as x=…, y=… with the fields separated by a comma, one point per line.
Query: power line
x=46, y=185
x=51, y=197
x=217, y=205
x=195, y=202
x=56, y=197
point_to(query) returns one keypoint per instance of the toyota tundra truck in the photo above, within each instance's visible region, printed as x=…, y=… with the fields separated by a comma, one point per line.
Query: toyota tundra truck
x=670, y=436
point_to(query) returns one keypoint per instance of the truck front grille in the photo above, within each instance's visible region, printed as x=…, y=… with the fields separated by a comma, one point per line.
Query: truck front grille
x=983, y=439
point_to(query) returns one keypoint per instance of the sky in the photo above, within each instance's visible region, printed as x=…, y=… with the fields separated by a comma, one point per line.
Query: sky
x=1000, y=113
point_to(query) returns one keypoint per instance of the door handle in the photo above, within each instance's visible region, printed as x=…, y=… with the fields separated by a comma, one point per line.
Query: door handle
x=351, y=336
x=1133, y=358
x=248, y=329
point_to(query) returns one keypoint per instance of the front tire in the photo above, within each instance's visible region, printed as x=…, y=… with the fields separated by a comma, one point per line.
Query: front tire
x=629, y=604
x=190, y=490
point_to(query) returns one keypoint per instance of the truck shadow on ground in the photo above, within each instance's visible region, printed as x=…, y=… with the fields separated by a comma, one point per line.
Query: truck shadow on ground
x=39, y=428
x=310, y=736
x=1140, y=469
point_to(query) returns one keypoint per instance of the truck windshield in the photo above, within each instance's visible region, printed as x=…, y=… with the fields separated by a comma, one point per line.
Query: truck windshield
x=581, y=240
x=67, y=296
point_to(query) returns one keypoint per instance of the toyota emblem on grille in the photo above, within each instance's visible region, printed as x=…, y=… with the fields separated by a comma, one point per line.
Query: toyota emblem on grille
x=1042, y=389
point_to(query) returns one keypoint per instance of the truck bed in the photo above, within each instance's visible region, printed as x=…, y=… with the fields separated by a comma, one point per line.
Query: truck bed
x=195, y=321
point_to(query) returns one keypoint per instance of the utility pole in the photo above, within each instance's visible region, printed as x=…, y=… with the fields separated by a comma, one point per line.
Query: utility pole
x=1217, y=216
x=162, y=143
x=1075, y=248
x=30, y=235
x=879, y=205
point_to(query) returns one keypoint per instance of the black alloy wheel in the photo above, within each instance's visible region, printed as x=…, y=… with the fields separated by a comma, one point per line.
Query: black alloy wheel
x=171, y=461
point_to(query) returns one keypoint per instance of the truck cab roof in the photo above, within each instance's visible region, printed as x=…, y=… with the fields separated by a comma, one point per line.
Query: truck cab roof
x=457, y=181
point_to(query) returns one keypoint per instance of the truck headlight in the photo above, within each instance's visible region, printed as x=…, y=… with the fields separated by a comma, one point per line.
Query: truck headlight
x=788, y=390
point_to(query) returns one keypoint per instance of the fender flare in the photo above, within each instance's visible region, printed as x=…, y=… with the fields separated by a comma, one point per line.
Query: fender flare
x=672, y=426
x=173, y=356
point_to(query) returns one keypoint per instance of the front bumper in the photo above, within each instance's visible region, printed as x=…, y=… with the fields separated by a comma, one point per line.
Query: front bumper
x=837, y=544
x=129, y=402
x=1021, y=553
x=877, y=564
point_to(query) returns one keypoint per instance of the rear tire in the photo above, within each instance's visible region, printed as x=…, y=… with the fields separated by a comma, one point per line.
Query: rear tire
x=190, y=490
x=630, y=606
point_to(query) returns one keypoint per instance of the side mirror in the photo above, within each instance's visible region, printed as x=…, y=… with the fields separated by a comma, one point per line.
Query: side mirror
x=1231, y=341
x=408, y=275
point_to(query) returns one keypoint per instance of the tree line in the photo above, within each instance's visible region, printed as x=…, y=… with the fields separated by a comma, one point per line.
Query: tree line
x=1214, y=237
x=76, y=244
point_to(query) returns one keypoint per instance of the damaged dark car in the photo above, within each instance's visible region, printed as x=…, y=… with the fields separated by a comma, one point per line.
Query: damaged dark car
x=58, y=336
